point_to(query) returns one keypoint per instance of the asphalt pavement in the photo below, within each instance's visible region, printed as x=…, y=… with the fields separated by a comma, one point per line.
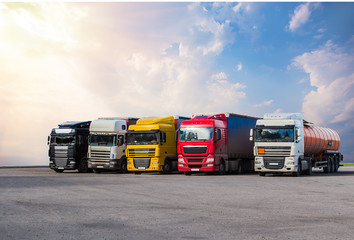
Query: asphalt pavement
x=38, y=203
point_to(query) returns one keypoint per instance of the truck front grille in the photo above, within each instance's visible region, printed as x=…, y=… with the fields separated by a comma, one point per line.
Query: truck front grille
x=141, y=163
x=61, y=152
x=100, y=155
x=193, y=160
x=195, y=149
x=61, y=162
x=274, y=162
x=196, y=166
x=141, y=152
x=276, y=151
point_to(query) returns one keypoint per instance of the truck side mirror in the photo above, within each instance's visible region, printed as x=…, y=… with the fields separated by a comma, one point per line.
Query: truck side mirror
x=217, y=135
x=48, y=140
x=176, y=135
x=120, y=140
x=251, y=134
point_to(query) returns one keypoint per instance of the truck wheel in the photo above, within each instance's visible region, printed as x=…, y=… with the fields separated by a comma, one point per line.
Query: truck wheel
x=167, y=167
x=83, y=167
x=262, y=174
x=335, y=165
x=298, y=172
x=59, y=170
x=222, y=168
x=327, y=168
x=123, y=167
x=330, y=165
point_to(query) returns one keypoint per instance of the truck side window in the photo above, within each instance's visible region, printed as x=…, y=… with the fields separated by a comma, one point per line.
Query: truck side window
x=163, y=137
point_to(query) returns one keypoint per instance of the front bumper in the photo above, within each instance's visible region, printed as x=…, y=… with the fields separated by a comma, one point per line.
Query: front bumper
x=144, y=165
x=111, y=164
x=62, y=163
x=286, y=165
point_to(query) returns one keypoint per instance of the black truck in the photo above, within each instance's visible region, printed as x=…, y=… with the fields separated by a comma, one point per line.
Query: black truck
x=68, y=146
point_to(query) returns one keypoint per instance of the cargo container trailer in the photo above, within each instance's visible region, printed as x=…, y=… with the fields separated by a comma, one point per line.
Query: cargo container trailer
x=286, y=143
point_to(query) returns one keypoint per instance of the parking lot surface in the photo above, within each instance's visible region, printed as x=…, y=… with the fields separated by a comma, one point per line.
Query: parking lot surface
x=37, y=203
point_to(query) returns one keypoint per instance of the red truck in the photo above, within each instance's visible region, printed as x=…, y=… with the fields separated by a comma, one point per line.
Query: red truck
x=216, y=143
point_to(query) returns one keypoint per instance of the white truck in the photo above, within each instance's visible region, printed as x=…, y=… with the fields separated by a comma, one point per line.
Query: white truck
x=286, y=143
x=107, y=144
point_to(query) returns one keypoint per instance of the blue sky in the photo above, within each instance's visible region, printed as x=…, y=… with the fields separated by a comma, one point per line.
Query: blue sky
x=81, y=61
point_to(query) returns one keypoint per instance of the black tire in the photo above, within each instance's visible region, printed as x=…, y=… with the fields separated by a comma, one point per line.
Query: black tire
x=309, y=171
x=336, y=165
x=83, y=166
x=333, y=164
x=59, y=170
x=222, y=170
x=167, y=167
x=330, y=166
x=262, y=174
x=124, y=166
x=327, y=168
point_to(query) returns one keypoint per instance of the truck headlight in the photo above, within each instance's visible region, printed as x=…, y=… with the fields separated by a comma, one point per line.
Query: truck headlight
x=180, y=160
x=258, y=160
x=209, y=160
x=290, y=161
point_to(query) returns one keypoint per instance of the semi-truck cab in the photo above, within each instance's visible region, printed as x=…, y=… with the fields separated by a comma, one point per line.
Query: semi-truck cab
x=68, y=146
x=285, y=143
x=216, y=143
x=152, y=144
x=107, y=144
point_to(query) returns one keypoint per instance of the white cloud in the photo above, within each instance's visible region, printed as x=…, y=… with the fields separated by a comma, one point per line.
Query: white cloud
x=239, y=67
x=219, y=76
x=331, y=72
x=107, y=62
x=264, y=104
x=301, y=15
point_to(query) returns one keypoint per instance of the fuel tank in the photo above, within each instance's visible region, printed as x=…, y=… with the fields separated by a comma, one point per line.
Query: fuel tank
x=319, y=139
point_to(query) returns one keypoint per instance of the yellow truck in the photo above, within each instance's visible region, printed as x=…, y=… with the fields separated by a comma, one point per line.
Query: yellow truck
x=152, y=144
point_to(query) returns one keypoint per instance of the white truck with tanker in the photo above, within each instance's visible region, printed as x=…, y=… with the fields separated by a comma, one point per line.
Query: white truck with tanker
x=286, y=143
x=107, y=144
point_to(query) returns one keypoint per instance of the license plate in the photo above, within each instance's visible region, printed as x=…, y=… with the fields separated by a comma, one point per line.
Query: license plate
x=195, y=169
x=99, y=166
x=274, y=164
x=141, y=168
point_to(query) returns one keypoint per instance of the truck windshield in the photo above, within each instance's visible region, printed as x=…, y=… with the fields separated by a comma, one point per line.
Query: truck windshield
x=196, y=133
x=143, y=138
x=62, y=139
x=102, y=140
x=274, y=134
